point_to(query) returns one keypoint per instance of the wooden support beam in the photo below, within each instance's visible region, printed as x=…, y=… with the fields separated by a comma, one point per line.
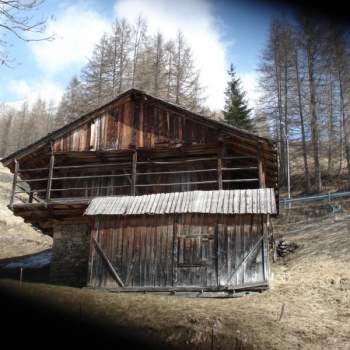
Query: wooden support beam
x=220, y=156
x=262, y=180
x=176, y=162
x=243, y=261
x=134, y=173
x=14, y=183
x=136, y=119
x=108, y=263
x=175, y=246
x=265, y=246
x=49, y=180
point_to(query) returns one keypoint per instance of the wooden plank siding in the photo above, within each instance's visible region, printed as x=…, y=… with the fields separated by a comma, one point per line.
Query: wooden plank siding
x=179, y=251
x=134, y=123
x=137, y=120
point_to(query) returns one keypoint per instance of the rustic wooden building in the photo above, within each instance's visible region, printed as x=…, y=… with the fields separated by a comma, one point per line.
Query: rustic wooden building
x=142, y=194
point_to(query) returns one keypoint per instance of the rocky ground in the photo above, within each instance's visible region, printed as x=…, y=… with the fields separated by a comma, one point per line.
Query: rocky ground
x=306, y=307
x=16, y=237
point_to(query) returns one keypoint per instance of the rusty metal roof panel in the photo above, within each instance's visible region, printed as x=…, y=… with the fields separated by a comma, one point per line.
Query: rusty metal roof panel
x=251, y=201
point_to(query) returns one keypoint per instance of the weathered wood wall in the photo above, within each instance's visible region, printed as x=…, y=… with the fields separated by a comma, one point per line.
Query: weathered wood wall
x=188, y=250
x=137, y=123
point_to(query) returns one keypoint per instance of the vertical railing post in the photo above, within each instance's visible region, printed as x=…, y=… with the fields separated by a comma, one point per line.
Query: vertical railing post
x=14, y=183
x=262, y=183
x=220, y=154
x=133, y=168
x=49, y=179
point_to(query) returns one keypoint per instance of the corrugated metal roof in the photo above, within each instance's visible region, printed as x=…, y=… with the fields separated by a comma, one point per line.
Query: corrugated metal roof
x=251, y=201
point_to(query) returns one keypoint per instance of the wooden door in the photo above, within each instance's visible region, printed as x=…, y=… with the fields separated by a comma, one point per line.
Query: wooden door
x=242, y=251
x=195, y=251
x=196, y=262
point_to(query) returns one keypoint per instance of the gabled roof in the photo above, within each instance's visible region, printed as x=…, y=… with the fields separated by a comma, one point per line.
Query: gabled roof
x=92, y=114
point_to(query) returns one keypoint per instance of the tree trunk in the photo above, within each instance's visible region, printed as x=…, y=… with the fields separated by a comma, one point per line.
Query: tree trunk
x=313, y=119
x=330, y=129
x=302, y=125
x=285, y=131
x=344, y=122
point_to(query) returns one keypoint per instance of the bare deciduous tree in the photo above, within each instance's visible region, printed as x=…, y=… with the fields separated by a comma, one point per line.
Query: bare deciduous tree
x=16, y=18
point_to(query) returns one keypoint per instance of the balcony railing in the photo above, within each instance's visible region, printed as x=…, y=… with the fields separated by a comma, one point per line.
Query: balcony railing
x=44, y=188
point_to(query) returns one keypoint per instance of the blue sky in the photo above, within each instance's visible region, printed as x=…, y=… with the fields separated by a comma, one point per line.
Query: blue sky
x=219, y=33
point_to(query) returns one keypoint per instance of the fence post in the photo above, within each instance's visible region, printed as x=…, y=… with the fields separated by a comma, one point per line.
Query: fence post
x=14, y=183
x=329, y=196
x=21, y=276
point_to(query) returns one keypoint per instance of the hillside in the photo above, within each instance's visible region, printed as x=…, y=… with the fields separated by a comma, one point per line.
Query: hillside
x=307, y=306
x=333, y=181
x=16, y=237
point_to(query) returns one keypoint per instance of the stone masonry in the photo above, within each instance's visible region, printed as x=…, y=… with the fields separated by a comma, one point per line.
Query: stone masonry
x=70, y=255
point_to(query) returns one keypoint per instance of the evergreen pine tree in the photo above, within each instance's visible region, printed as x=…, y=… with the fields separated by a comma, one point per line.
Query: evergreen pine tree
x=236, y=111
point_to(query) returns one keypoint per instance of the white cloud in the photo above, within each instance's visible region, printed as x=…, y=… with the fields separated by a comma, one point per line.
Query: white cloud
x=250, y=86
x=76, y=32
x=195, y=19
x=30, y=92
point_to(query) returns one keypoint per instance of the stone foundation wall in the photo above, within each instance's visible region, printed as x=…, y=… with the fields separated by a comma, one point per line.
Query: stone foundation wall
x=70, y=255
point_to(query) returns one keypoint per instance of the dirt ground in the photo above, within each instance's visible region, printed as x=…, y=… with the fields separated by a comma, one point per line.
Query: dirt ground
x=307, y=306
x=16, y=237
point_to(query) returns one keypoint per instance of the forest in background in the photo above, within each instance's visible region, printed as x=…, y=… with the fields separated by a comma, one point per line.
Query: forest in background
x=305, y=82
x=127, y=57
x=304, y=85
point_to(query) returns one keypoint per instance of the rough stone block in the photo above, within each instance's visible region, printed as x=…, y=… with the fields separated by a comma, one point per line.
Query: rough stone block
x=70, y=255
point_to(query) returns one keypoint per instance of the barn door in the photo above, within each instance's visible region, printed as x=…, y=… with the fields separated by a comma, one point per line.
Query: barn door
x=196, y=261
x=132, y=252
x=242, y=251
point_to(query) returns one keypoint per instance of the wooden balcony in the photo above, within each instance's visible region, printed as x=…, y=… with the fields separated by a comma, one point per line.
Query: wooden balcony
x=77, y=177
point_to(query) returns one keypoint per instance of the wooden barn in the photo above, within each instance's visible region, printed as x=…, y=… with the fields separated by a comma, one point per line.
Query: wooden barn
x=144, y=195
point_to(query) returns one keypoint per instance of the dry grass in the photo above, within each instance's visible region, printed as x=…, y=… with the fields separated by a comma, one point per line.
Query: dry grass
x=313, y=284
x=331, y=182
x=16, y=237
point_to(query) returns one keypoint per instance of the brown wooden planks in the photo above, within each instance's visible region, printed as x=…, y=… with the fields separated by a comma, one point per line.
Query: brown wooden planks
x=180, y=251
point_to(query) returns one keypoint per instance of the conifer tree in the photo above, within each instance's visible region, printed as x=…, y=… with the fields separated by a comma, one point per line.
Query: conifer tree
x=236, y=112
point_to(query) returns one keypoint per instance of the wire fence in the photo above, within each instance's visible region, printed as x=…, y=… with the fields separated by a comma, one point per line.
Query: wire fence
x=330, y=196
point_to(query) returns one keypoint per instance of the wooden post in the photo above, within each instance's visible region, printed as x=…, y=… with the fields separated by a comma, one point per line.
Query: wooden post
x=31, y=194
x=220, y=156
x=134, y=168
x=110, y=267
x=136, y=101
x=262, y=183
x=175, y=245
x=49, y=180
x=14, y=182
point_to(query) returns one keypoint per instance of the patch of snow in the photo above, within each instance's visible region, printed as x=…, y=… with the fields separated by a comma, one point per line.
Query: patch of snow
x=34, y=262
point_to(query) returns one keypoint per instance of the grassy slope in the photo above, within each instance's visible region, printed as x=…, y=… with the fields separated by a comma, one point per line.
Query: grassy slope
x=337, y=181
x=313, y=284
x=16, y=237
